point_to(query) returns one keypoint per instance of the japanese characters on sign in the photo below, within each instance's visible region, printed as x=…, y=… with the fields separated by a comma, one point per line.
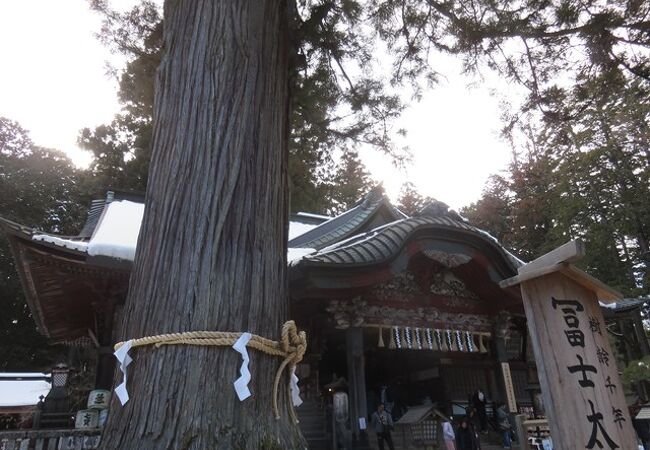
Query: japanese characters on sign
x=510, y=388
x=572, y=312
x=582, y=392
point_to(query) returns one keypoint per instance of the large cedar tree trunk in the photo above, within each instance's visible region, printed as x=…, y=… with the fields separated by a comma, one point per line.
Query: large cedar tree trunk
x=211, y=253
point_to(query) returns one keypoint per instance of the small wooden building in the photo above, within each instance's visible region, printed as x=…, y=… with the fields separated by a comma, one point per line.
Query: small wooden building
x=406, y=310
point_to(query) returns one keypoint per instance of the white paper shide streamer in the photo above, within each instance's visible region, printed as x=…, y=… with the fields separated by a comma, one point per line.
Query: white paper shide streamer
x=241, y=383
x=295, y=390
x=122, y=355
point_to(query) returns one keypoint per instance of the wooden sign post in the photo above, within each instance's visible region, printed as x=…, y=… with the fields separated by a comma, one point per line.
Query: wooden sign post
x=510, y=388
x=582, y=391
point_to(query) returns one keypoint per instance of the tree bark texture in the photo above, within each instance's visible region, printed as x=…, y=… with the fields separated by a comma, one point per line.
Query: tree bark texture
x=212, y=249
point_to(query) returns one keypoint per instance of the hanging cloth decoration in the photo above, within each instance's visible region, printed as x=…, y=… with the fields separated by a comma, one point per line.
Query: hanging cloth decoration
x=470, y=342
x=450, y=341
x=418, y=339
x=442, y=345
x=408, y=338
x=381, y=338
x=429, y=339
x=459, y=341
x=291, y=348
x=398, y=337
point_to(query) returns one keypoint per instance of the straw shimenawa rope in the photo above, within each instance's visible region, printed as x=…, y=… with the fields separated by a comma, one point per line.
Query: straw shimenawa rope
x=291, y=347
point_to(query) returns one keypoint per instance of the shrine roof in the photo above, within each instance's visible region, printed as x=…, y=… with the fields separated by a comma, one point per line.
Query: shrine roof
x=625, y=305
x=57, y=272
x=22, y=389
x=385, y=242
x=110, y=234
x=374, y=210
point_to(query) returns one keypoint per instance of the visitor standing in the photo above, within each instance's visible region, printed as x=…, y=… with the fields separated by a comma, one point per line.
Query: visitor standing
x=465, y=437
x=474, y=424
x=504, y=425
x=448, y=435
x=479, y=401
x=382, y=423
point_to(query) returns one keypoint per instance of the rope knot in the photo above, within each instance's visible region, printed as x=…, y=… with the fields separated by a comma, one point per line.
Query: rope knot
x=294, y=343
x=292, y=347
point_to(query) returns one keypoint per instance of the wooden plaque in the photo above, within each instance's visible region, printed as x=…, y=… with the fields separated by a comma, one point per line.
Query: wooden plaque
x=510, y=388
x=579, y=379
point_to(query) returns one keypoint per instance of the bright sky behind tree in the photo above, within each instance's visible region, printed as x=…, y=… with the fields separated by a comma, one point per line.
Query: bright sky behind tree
x=55, y=81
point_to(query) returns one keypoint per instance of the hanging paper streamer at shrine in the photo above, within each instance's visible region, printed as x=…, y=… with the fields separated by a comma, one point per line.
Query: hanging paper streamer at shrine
x=122, y=355
x=241, y=383
x=291, y=348
x=407, y=338
x=295, y=390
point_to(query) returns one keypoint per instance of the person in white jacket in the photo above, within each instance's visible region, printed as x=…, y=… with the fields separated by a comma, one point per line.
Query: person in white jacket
x=448, y=435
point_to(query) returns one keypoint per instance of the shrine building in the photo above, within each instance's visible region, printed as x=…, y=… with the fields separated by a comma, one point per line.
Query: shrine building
x=404, y=310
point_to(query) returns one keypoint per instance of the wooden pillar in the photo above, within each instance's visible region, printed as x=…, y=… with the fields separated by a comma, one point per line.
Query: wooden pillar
x=357, y=384
x=105, y=317
x=640, y=334
x=501, y=357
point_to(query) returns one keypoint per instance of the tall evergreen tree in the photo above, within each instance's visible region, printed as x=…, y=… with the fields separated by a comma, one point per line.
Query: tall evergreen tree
x=493, y=211
x=585, y=175
x=410, y=201
x=351, y=181
x=331, y=109
x=42, y=189
x=212, y=250
x=122, y=149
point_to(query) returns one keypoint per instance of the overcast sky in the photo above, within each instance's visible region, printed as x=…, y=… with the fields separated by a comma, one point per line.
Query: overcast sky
x=54, y=82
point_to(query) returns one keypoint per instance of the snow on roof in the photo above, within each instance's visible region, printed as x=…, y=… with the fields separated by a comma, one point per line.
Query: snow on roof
x=313, y=216
x=117, y=232
x=607, y=305
x=296, y=254
x=298, y=228
x=81, y=246
x=22, y=392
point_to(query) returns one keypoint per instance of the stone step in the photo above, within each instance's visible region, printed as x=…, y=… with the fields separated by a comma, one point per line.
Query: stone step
x=313, y=425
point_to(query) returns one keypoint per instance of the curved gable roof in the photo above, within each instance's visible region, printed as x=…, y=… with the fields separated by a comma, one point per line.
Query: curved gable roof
x=374, y=210
x=385, y=243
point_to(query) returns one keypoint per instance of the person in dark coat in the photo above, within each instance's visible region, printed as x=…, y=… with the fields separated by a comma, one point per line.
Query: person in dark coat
x=478, y=402
x=474, y=421
x=382, y=423
x=465, y=436
x=504, y=425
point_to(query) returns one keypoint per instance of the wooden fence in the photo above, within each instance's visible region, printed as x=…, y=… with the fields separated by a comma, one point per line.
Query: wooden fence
x=50, y=439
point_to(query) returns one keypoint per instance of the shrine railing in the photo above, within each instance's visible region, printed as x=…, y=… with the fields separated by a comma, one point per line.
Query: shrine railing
x=50, y=439
x=534, y=434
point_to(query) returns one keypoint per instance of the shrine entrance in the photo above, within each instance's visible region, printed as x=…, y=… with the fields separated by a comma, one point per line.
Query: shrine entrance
x=401, y=379
x=373, y=370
